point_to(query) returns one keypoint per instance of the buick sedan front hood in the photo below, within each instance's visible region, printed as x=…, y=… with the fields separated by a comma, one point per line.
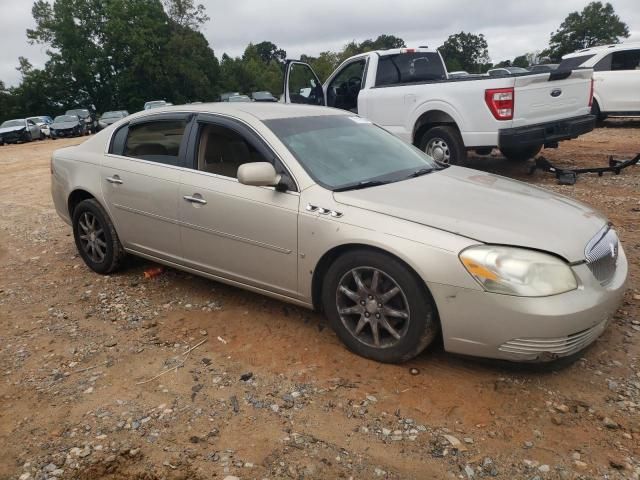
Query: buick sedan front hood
x=486, y=207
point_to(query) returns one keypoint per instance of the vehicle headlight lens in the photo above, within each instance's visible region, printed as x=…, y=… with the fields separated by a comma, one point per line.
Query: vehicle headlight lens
x=518, y=271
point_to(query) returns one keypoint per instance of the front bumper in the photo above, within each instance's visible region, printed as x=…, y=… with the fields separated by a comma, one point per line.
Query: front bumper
x=478, y=323
x=65, y=133
x=546, y=133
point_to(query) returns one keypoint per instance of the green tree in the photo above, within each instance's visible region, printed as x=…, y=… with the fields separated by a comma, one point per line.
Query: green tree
x=597, y=24
x=324, y=64
x=186, y=13
x=521, y=61
x=269, y=52
x=465, y=51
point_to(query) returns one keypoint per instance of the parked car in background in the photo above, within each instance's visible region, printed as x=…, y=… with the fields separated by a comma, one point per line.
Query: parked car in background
x=543, y=67
x=239, y=98
x=616, y=74
x=155, y=104
x=407, y=92
x=263, y=97
x=87, y=116
x=20, y=130
x=458, y=74
x=68, y=126
x=224, y=97
x=499, y=72
x=43, y=122
x=109, y=118
x=322, y=208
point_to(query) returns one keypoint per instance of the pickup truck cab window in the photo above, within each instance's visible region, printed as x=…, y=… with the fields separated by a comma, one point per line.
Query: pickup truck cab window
x=409, y=68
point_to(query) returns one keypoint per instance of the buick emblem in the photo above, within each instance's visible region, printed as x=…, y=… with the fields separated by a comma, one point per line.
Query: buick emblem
x=556, y=92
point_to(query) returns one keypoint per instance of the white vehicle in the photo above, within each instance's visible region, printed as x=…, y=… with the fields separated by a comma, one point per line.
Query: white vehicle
x=616, y=74
x=407, y=92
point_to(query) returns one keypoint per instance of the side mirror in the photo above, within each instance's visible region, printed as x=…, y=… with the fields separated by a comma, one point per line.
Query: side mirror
x=258, y=174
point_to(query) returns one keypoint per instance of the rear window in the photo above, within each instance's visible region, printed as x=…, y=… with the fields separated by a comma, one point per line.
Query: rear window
x=410, y=68
x=574, y=62
x=157, y=141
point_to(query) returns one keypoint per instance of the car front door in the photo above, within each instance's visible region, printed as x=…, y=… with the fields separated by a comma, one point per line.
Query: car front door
x=242, y=233
x=34, y=129
x=301, y=84
x=141, y=183
x=617, y=81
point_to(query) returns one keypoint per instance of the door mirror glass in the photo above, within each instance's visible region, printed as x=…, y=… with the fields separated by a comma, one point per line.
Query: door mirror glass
x=303, y=85
x=258, y=174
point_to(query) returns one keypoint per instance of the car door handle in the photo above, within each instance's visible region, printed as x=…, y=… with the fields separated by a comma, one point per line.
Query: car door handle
x=199, y=200
x=115, y=179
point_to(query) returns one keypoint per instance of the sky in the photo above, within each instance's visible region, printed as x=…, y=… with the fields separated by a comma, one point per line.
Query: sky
x=511, y=27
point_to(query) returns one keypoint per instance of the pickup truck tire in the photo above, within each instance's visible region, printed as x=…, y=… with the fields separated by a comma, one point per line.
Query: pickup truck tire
x=595, y=110
x=521, y=154
x=444, y=144
x=378, y=307
x=96, y=237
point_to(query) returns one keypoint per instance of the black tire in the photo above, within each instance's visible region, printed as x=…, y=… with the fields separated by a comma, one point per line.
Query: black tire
x=420, y=328
x=28, y=137
x=114, y=254
x=521, y=154
x=483, y=151
x=595, y=110
x=455, y=149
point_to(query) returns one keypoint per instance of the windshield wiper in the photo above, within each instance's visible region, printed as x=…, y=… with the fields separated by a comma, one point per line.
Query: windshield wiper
x=360, y=185
x=420, y=172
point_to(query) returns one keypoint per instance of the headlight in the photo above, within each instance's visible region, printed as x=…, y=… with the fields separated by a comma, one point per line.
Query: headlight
x=518, y=271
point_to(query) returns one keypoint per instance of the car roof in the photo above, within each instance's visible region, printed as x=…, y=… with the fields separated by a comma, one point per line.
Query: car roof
x=603, y=48
x=261, y=111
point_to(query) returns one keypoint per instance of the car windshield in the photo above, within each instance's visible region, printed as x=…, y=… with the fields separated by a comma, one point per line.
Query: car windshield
x=156, y=104
x=36, y=119
x=13, y=123
x=112, y=115
x=347, y=152
x=65, y=118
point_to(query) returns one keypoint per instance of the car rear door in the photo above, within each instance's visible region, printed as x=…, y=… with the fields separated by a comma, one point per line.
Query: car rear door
x=141, y=181
x=556, y=95
x=242, y=233
x=617, y=81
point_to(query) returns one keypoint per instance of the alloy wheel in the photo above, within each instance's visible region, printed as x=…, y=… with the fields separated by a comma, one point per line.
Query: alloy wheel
x=373, y=307
x=92, y=237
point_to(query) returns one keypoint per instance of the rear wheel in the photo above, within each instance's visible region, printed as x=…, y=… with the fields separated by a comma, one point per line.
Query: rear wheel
x=444, y=144
x=96, y=237
x=378, y=307
x=520, y=154
x=595, y=110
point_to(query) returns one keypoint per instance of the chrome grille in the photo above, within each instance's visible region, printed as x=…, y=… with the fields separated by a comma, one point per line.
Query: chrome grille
x=602, y=255
x=561, y=346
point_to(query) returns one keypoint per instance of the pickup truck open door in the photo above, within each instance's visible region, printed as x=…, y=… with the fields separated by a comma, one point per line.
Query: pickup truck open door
x=301, y=84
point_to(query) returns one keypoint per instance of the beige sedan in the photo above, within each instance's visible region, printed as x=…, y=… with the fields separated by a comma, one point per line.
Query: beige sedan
x=321, y=208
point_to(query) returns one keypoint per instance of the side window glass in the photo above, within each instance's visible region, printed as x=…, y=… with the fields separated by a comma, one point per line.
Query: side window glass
x=157, y=141
x=344, y=88
x=304, y=86
x=410, y=68
x=604, y=65
x=626, y=60
x=221, y=151
x=118, y=140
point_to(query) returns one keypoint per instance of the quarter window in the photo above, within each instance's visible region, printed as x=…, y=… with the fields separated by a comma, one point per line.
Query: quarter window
x=157, y=141
x=626, y=60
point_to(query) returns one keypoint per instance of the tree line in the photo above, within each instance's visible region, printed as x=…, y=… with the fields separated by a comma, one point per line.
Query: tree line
x=117, y=54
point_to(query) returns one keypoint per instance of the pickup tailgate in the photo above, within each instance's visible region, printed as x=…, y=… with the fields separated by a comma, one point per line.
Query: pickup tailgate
x=543, y=98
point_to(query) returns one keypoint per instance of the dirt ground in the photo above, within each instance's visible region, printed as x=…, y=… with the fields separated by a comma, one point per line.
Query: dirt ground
x=269, y=391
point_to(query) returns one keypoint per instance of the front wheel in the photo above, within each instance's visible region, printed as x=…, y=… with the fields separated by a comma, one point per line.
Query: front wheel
x=520, y=154
x=96, y=237
x=444, y=144
x=378, y=307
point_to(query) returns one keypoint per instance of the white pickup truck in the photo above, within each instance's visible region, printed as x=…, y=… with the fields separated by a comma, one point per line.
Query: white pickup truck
x=407, y=91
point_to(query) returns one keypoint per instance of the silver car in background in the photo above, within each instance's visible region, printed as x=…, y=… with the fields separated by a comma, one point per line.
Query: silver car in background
x=321, y=208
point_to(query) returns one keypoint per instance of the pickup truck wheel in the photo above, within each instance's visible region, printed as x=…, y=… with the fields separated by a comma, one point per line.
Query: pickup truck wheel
x=595, y=110
x=96, y=237
x=521, y=154
x=378, y=307
x=444, y=144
